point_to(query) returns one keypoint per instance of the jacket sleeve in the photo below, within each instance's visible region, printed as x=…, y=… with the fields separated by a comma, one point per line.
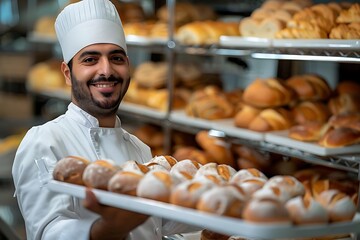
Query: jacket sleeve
x=46, y=213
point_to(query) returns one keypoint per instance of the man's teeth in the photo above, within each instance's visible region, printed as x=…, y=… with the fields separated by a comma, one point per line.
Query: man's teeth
x=105, y=85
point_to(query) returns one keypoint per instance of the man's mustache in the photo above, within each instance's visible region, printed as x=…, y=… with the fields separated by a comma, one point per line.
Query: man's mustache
x=105, y=79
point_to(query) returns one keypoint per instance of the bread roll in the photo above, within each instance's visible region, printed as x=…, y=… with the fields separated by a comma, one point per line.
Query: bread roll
x=210, y=235
x=134, y=166
x=222, y=200
x=250, y=185
x=267, y=93
x=263, y=28
x=263, y=210
x=156, y=185
x=245, y=116
x=125, y=182
x=306, y=211
x=222, y=171
x=339, y=206
x=349, y=15
x=344, y=103
x=70, y=169
x=309, y=87
x=244, y=174
x=287, y=183
x=166, y=161
x=340, y=137
x=308, y=132
x=271, y=119
x=185, y=169
x=216, y=147
x=310, y=111
x=187, y=194
x=98, y=173
x=193, y=153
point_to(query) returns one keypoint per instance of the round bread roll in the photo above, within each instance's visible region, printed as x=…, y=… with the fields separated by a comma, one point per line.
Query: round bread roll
x=306, y=211
x=223, y=171
x=245, y=116
x=188, y=193
x=271, y=119
x=125, y=182
x=222, y=200
x=166, y=161
x=273, y=192
x=156, y=185
x=193, y=153
x=339, y=205
x=134, y=166
x=288, y=184
x=310, y=111
x=218, y=148
x=268, y=93
x=308, y=131
x=244, y=174
x=98, y=173
x=251, y=185
x=70, y=169
x=210, y=235
x=185, y=169
x=264, y=210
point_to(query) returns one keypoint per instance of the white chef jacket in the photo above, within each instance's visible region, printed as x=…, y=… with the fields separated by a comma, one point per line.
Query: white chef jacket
x=50, y=215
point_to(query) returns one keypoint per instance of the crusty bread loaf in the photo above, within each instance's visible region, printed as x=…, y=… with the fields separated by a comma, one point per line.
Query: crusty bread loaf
x=218, y=148
x=308, y=131
x=209, y=103
x=310, y=111
x=125, y=182
x=193, y=153
x=309, y=87
x=245, y=116
x=264, y=210
x=344, y=103
x=98, y=173
x=70, y=169
x=222, y=171
x=266, y=93
x=340, y=137
x=349, y=15
x=226, y=200
x=271, y=119
x=263, y=28
x=166, y=161
x=306, y=211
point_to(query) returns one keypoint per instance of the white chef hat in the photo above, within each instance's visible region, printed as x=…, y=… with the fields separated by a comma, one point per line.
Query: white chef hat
x=88, y=22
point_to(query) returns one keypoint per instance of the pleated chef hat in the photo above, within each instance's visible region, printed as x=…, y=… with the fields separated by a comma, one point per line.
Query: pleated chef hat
x=88, y=22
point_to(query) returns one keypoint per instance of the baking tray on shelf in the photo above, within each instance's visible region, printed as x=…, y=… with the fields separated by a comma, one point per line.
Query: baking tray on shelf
x=281, y=138
x=145, y=41
x=221, y=224
x=141, y=110
x=246, y=42
x=223, y=125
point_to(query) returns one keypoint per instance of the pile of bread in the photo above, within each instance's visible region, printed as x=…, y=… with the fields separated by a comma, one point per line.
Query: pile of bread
x=303, y=20
x=309, y=197
x=149, y=87
x=46, y=76
x=272, y=104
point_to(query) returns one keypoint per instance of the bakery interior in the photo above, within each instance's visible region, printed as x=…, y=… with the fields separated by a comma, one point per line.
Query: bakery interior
x=250, y=84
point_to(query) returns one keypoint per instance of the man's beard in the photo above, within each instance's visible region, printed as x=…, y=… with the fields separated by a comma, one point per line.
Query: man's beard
x=85, y=100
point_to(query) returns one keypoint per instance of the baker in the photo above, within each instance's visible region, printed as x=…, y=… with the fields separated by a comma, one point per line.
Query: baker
x=96, y=66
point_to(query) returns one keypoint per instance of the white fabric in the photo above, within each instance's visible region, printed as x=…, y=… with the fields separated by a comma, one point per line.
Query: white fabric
x=50, y=215
x=88, y=22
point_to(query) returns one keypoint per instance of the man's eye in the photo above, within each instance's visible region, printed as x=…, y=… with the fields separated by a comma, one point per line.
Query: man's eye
x=118, y=58
x=89, y=60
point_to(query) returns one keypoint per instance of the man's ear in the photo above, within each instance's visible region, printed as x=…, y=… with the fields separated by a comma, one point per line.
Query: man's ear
x=66, y=72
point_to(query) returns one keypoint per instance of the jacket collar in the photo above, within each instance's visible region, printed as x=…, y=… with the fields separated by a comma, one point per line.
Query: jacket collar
x=85, y=118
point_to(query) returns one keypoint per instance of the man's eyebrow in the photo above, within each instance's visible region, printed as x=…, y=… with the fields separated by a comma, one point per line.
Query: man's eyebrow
x=83, y=54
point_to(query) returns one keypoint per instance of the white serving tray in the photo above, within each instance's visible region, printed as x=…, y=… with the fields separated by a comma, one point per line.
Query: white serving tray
x=221, y=224
x=145, y=41
x=281, y=138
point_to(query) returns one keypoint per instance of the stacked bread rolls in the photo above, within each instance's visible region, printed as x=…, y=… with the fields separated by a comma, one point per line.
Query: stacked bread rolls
x=219, y=189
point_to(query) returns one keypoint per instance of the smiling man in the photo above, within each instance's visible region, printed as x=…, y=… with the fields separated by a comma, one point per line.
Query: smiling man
x=96, y=66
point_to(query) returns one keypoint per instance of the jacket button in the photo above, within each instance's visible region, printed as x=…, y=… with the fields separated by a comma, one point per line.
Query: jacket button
x=126, y=136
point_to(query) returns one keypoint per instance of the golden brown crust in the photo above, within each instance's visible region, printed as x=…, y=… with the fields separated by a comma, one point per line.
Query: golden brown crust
x=266, y=93
x=310, y=111
x=271, y=119
x=70, y=169
x=344, y=104
x=264, y=28
x=309, y=87
x=216, y=147
x=245, y=116
x=349, y=15
x=308, y=132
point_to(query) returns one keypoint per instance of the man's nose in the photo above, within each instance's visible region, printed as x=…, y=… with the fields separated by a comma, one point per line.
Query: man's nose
x=105, y=68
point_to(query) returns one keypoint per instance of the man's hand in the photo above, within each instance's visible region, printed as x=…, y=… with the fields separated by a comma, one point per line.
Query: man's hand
x=114, y=223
